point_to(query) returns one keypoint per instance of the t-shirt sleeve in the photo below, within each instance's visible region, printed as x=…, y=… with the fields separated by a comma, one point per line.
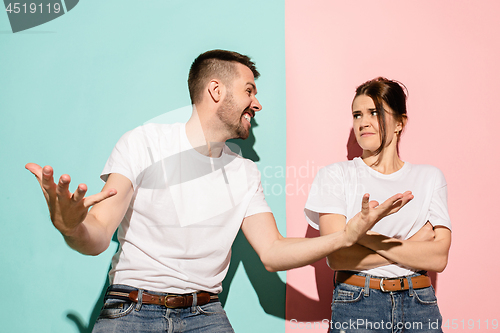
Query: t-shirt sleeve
x=258, y=203
x=438, y=210
x=326, y=195
x=124, y=157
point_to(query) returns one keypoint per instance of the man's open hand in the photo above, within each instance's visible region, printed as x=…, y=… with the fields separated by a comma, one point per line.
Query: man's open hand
x=67, y=210
x=371, y=212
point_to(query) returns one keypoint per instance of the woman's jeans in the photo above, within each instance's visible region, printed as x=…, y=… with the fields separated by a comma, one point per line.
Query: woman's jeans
x=119, y=316
x=361, y=309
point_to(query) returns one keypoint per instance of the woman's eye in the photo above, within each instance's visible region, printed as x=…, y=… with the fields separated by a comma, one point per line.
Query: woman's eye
x=374, y=113
x=356, y=116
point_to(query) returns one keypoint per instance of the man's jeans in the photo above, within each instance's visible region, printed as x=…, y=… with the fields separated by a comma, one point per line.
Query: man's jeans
x=358, y=309
x=119, y=316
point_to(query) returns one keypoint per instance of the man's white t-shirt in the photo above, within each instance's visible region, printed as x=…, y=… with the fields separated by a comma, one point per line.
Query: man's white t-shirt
x=185, y=212
x=339, y=188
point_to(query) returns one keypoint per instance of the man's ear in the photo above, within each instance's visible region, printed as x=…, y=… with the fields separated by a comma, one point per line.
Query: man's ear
x=215, y=89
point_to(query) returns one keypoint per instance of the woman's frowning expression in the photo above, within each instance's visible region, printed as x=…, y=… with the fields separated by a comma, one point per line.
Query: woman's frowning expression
x=366, y=127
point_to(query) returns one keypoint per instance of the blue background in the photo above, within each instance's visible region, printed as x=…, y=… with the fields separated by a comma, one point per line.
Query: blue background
x=69, y=89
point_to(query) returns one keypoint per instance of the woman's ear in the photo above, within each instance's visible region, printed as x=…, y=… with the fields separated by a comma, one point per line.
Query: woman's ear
x=401, y=125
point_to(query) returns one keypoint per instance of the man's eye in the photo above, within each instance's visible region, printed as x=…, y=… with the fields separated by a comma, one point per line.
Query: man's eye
x=356, y=116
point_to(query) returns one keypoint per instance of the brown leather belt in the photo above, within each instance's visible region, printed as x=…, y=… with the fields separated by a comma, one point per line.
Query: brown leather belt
x=171, y=301
x=393, y=284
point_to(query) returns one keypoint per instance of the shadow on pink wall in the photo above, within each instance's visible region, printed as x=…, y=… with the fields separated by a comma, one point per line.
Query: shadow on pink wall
x=306, y=309
x=303, y=308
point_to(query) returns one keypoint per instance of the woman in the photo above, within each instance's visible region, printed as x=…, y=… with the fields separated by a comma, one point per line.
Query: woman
x=381, y=283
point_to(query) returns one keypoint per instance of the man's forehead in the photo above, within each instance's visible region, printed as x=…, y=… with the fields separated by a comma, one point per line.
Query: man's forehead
x=245, y=73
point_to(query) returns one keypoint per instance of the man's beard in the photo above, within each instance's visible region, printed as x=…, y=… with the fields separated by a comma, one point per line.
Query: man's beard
x=226, y=113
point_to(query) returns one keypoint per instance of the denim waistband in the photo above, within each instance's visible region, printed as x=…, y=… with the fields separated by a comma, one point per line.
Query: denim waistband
x=386, y=277
x=127, y=289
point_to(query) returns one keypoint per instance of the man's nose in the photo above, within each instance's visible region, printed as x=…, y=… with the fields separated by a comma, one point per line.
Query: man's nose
x=256, y=105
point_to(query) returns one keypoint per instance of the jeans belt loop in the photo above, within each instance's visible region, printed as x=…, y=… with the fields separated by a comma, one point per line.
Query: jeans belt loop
x=139, y=300
x=410, y=286
x=195, y=302
x=367, y=285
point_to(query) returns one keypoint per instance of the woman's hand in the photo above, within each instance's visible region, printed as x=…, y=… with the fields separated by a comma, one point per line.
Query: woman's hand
x=425, y=234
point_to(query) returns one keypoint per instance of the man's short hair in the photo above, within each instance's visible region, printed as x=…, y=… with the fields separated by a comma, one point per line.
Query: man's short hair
x=219, y=64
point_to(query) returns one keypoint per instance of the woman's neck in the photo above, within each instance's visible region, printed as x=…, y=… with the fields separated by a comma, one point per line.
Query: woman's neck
x=386, y=162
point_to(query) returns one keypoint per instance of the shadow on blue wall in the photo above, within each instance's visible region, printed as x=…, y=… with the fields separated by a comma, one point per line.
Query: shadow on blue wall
x=269, y=287
x=77, y=320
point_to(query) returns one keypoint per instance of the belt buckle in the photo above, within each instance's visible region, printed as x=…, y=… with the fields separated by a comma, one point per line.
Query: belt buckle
x=382, y=285
x=402, y=283
x=167, y=297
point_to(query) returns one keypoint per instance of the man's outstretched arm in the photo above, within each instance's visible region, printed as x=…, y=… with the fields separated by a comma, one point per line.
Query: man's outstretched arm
x=279, y=253
x=88, y=232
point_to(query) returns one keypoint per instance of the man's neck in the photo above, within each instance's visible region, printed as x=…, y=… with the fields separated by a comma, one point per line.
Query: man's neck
x=203, y=137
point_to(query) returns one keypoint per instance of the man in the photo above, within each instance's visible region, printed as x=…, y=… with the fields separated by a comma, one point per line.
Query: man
x=179, y=197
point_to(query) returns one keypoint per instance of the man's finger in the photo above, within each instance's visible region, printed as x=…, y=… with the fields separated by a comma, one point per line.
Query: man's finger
x=98, y=197
x=48, y=180
x=63, y=186
x=36, y=170
x=79, y=193
x=395, y=203
x=389, y=203
x=407, y=197
x=396, y=207
x=365, y=203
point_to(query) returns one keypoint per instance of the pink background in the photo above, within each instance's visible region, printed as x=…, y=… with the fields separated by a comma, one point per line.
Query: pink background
x=447, y=53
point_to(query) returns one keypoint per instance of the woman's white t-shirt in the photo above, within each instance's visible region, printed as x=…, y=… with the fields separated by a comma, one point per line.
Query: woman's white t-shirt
x=339, y=188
